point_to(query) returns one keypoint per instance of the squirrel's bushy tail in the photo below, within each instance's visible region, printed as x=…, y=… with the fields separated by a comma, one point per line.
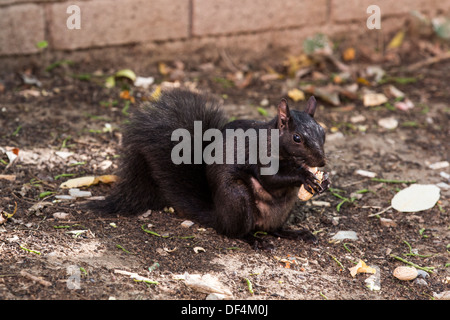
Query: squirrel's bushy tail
x=148, y=179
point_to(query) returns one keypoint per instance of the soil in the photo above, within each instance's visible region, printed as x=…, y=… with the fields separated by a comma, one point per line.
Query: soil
x=77, y=257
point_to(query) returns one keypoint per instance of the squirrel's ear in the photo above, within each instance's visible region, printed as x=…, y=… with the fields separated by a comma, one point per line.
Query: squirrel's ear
x=311, y=106
x=283, y=114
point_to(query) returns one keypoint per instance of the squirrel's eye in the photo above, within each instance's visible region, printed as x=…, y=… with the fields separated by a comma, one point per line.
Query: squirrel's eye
x=297, y=138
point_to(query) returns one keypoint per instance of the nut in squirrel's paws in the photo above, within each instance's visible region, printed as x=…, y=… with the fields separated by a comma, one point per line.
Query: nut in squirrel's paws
x=305, y=195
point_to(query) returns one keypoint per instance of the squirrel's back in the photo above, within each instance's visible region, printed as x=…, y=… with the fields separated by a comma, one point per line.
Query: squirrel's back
x=148, y=178
x=162, y=165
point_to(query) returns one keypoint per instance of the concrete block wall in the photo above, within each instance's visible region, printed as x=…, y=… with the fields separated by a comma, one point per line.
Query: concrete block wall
x=106, y=23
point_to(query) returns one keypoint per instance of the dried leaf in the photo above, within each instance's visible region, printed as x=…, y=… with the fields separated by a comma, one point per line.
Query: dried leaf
x=397, y=40
x=207, y=284
x=416, y=197
x=87, y=181
x=404, y=105
x=295, y=63
x=375, y=72
x=126, y=73
x=125, y=94
x=78, y=182
x=135, y=276
x=296, y=95
x=198, y=249
x=361, y=267
x=163, y=69
x=393, y=92
x=363, y=81
x=107, y=178
x=156, y=93
x=144, y=82
x=374, y=99
x=110, y=82
x=329, y=93
x=9, y=177
x=348, y=54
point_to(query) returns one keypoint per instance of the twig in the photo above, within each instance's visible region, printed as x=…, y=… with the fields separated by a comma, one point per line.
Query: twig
x=249, y=285
x=414, y=254
x=122, y=248
x=29, y=250
x=322, y=295
x=429, y=61
x=393, y=181
x=228, y=61
x=335, y=259
x=345, y=247
x=149, y=231
x=353, y=183
x=34, y=278
x=380, y=212
x=427, y=269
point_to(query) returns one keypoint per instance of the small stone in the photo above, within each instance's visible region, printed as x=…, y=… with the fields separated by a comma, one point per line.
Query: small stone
x=422, y=274
x=439, y=165
x=64, y=155
x=358, y=118
x=405, y=273
x=61, y=215
x=420, y=282
x=64, y=197
x=387, y=222
x=215, y=296
x=366, y=173
x=321, y=203
x=264, y=102
x=104, y=165
x=335, y=136
x=388, y=123
x=187, y=223
x=445, y=295
x=374, y=99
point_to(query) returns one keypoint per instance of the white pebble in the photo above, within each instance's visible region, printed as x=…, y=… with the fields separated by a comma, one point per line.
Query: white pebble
x=388, y=123
x=439, y=165
x=61, y=215
x=79, y=194
x=341, y=235
x=187, y=223
x=365, y=173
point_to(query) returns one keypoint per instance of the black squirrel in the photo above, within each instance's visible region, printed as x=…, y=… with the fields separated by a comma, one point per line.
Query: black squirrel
x=235, y=199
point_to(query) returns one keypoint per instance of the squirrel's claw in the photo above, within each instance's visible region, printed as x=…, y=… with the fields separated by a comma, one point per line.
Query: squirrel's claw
x=313, y=185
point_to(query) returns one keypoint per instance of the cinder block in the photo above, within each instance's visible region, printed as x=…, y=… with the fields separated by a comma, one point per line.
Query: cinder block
x=6, y=2
x=112, y=22
x=353, y=10
x=21, y=28
x=231, y=16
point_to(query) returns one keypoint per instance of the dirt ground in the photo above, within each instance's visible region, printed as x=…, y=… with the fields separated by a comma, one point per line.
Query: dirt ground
x=78, y=257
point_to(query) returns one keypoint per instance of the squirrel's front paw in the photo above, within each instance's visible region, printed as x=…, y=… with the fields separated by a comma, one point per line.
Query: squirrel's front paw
x=326, y=182
x=314, y=181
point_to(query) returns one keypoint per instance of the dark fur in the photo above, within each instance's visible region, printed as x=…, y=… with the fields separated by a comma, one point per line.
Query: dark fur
x=234, y=199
